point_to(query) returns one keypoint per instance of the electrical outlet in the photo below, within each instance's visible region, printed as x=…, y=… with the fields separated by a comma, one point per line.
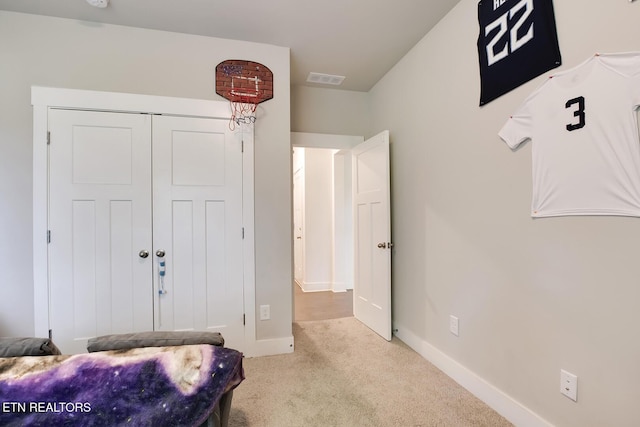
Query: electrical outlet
x=265, y=312
x=453, y=325
x=569, y=385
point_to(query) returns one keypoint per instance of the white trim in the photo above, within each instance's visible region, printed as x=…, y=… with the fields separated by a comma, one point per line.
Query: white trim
x=40, y=222
x=43, y=98
x=270, y=347
x=502, y=403
x=249, y=248
x=316, y=286
x=127, y=102
x=340, y=287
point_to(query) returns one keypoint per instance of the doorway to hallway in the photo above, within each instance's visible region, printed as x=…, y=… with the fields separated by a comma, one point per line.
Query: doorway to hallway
x=322, y=305
x=342, y=237
x=323, y=234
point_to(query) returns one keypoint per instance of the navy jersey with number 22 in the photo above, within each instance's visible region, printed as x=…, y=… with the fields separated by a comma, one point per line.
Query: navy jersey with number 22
x=517, y=42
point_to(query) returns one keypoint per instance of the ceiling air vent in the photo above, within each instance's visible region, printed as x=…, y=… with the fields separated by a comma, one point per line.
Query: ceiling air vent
x=98, y=3
x=325, y=79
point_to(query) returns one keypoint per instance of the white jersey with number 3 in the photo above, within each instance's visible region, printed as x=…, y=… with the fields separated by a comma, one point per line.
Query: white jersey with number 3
x=585, y=145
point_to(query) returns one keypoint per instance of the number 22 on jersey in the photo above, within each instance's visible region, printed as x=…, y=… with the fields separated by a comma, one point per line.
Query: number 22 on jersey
x=504, y=24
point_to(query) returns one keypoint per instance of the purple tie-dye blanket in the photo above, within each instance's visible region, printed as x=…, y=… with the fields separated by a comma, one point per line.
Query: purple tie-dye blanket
x=155, y=386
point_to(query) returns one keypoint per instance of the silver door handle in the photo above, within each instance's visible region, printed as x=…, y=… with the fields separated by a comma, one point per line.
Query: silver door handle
x=160, y=253
x=143, y=253
x=382, y=245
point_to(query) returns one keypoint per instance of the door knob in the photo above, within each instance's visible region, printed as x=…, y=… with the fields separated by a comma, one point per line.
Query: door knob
x=382, y=245
x=160, y=253
x=143, y=253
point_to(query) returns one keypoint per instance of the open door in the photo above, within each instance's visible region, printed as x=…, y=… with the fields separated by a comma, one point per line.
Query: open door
x=372, y=234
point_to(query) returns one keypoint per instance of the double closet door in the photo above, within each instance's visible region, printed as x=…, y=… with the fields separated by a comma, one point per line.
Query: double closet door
x=145, y=220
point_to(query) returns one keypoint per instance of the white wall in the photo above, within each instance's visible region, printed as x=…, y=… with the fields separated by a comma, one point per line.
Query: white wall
x=54, y=52
x=532, y=296
x=329, y=111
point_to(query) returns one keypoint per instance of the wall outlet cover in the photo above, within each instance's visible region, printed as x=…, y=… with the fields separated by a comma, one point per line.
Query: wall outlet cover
x=569, y=385
x=265, y=312
x=453, y=325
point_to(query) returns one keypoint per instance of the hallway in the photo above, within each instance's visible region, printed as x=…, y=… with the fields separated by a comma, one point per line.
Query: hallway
x=322, y=305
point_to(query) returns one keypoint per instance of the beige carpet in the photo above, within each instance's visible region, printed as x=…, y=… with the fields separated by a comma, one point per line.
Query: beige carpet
x=343, y=374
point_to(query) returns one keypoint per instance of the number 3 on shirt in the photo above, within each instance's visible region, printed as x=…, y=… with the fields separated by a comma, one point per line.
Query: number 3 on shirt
x=579, y=113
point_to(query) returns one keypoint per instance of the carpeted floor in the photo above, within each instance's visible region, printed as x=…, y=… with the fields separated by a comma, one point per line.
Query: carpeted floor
x=342, y=374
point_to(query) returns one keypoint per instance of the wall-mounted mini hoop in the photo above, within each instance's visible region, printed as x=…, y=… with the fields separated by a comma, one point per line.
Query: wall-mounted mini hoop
x=245, y=84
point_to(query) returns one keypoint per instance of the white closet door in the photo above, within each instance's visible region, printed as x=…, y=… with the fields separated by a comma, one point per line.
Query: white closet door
x=99, y=219
x=197, y=222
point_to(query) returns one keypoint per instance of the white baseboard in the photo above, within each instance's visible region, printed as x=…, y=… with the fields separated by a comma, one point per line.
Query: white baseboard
x=503, y=404
x=316, y=286
x=324, y=286
x=341, y=286
x=270, y=347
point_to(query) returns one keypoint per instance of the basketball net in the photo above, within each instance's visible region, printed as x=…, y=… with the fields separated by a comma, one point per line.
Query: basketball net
x=242, y=112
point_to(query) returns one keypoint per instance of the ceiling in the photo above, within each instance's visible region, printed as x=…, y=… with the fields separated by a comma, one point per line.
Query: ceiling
x=359, y=39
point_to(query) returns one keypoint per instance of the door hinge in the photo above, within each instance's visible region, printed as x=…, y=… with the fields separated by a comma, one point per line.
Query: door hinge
x=244, y=319
x=242, y=146
x=243, y=232
x=48, y=236
x=50, y=334
x=48, y=137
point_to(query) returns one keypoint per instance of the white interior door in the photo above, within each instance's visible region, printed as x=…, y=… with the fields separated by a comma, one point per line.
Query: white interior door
x=197, y=222
x=372, y=234
x=99, y=220
x=298, y=218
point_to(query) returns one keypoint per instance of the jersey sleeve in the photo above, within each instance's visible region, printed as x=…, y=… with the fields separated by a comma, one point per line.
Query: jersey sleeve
x=627, y=64
x=517, y=129
x=632, y=69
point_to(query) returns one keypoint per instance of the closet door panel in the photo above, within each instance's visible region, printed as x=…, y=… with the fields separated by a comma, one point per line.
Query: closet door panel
x=99, y=220
x=197, y=199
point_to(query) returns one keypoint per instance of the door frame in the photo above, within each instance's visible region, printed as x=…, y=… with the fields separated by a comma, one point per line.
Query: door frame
x=44, y=98
x=298, y=222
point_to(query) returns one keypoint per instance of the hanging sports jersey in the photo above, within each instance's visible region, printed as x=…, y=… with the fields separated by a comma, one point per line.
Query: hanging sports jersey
x=517, y=42
x=586, y=150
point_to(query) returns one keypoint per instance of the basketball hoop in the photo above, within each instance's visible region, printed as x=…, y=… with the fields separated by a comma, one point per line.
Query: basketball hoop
x=243, y=111
x=245, y=84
